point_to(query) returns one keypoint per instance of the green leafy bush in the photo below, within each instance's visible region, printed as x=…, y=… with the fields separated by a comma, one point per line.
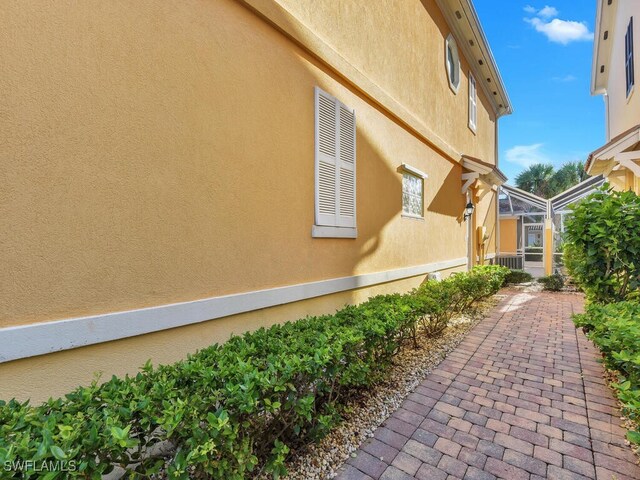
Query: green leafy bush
x=602, y=249
x=553, y=282
x=615, y=329
x=235, y=408
x=436, y=302
x=494, y=274
x=518, y=276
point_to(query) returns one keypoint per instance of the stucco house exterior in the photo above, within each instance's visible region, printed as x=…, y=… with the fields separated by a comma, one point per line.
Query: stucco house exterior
x=177, y=172
x=615, y=76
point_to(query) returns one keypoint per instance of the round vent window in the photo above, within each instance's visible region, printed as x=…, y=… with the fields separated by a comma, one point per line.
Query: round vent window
x=453, y=63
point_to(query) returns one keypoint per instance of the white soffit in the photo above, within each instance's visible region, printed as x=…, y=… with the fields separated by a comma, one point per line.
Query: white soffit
x=602, y=43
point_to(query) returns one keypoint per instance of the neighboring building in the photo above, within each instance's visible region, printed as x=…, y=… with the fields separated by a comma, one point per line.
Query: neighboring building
x=177, y=172
x=532, y=227
x=615, y=75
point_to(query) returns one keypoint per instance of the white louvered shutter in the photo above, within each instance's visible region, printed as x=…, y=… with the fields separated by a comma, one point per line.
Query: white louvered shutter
x=335, y=162
x=473, y=103
x=347, y=173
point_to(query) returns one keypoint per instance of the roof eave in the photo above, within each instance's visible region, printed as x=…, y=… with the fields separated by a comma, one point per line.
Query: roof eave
x=461, y=13
x=605, y=14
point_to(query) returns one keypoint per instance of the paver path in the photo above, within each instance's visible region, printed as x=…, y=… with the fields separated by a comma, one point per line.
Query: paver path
x=521, y=397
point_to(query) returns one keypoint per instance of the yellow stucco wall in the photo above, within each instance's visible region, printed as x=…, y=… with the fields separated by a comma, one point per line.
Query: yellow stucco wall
x=508, y=235
x=58, y=373
x=485, y=216
x=618, y=179
x=164, y=152
x=138, y=172
x=392, y=62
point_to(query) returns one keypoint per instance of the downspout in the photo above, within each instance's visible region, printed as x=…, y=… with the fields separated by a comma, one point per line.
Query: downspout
x=607, y=118
x=497, y=158
x=469, y=221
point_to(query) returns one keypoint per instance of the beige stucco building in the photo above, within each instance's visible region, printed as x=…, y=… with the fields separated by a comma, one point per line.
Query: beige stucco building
x=614, y=75
x=177, y=172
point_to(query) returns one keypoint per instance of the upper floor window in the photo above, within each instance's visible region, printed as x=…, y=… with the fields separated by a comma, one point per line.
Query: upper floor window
x=335, y=165
x=628, y=56
x=473, y=103
x=453, y=63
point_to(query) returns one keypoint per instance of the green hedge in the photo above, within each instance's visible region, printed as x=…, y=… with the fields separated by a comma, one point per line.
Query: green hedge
x=615, y=329
x=235, y=408
x=554, y=282
x=518, y=276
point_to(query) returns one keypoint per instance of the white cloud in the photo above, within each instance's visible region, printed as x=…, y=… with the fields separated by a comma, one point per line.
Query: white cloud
x=565, y=78
x=526, y=155
x=548, y=12
x=561, y=31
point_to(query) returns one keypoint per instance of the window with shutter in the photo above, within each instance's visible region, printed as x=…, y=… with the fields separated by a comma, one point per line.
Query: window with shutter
x=628, y=57
x=335, y=157
x=473, y=103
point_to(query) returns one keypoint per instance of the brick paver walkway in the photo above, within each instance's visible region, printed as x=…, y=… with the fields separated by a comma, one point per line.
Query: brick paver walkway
x=522, y=397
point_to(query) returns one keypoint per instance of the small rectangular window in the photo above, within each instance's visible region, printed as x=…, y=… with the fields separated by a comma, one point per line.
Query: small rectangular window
x=473, y=104
x=412, y=195
x=628, y=57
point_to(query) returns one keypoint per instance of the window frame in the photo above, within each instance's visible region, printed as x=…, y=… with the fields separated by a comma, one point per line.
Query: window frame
x=628, y=58
x=473, y=103
x=408, y=170
x=451, y=45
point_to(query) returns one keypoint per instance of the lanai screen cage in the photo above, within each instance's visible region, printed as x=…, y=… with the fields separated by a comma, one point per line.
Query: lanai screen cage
x=524, y=225
x=559, y=210
x=525, y=213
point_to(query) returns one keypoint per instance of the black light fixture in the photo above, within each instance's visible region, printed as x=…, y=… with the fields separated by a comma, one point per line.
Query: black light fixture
x=468, y=210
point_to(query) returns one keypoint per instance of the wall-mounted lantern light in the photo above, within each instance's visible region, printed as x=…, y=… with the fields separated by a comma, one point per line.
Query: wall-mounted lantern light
x=468, y=210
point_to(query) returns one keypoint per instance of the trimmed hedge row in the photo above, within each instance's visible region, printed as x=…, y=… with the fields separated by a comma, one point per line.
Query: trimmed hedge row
x=615, y=329
x=236, y=408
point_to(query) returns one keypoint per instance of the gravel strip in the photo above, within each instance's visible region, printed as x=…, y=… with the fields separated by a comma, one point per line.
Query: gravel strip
x=322, y=460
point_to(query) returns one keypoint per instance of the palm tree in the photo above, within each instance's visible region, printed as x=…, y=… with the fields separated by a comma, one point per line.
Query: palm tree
x=542, y=180
x=568, y=175
x=536, y=179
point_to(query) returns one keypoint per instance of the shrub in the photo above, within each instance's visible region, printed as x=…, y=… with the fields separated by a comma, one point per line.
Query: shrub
x=553, y=282
x=436, y=302
x=518, y=276
x=615, y=329
x=603, y=255
x=235, y=408
x=495, y=276
x=434, y=306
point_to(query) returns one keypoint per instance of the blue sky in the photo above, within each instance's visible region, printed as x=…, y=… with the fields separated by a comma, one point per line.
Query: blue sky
x=543, y=51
